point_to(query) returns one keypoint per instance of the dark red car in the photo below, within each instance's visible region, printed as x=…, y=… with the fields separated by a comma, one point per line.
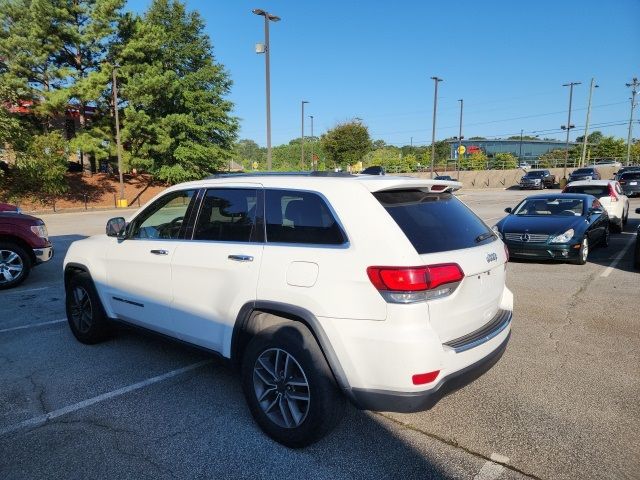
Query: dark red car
x=24, y=243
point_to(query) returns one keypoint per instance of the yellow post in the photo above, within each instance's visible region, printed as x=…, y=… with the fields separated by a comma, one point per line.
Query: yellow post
x=122, y=203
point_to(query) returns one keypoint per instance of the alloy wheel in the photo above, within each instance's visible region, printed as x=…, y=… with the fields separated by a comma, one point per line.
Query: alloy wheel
x=281, y=387
x=11, y=266
x=81, y=309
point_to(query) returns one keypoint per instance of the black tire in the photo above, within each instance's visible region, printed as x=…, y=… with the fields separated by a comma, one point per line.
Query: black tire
x=625, y=217
x=324, y=404
x=607, y=237
x=617, y=227
x=636, y=257
x=85, y=313
x=582, y=256
x=15, y=263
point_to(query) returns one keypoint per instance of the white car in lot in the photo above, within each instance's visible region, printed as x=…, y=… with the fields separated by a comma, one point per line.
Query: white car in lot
x=611, y=196
x=388, y=291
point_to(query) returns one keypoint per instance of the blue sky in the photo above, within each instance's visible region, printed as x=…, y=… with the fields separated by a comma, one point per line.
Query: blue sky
x=374, y=59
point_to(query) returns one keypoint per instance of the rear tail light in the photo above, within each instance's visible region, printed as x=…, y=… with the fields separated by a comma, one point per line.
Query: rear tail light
x=422, y=378
x=415, y=284
x=438, y=188
x=612, y=194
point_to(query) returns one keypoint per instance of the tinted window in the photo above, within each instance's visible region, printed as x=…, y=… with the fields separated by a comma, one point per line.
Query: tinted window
x=164, y=218
x=537, y=173
x=630, y=176
x=595, y=190
x=550, y=206
x=584, y=171
x=229, y=215
x=434, y=222
x=300, y=217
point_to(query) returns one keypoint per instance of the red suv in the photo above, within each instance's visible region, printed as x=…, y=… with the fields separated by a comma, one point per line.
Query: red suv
x=24, y=243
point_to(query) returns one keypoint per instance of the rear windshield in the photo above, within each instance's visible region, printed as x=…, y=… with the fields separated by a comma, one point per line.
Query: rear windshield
x=630, y=176
x=595, y=190
x=584, y=170
x=434, y=222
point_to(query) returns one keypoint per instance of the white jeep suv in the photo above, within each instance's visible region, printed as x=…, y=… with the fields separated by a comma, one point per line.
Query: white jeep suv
x=611, y=196
x=388, y=291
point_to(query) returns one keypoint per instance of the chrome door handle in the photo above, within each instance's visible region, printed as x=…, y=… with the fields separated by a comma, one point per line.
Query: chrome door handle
x=241, y=258
x=160, y=252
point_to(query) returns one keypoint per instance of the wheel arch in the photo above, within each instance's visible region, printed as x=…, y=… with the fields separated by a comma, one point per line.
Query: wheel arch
x=21, y=243
x=256, y=316
x=71, y=269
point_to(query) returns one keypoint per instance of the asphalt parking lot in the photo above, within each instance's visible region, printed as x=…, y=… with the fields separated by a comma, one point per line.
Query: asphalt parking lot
x=561, y=404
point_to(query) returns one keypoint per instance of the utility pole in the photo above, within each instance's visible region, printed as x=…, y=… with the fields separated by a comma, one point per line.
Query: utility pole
x=313, y=142
x=265, y=49
x=114, y=87
x=302, y=141
x=460, y=137
x=569, y=127
x=520, y=154
x=634, y=90
x=436, y=81
x=586, y=125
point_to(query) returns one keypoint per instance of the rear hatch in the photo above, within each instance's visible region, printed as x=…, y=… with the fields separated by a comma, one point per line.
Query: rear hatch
x=601, y=192
x=443, y=230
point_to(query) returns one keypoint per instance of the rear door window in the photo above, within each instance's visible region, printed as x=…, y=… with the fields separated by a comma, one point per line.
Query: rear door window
x=595, y=190
x=300, y=217
x=230, y=215
x=435, y=222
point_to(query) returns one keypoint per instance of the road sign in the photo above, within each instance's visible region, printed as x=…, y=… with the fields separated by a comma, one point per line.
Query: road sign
x=461, y=149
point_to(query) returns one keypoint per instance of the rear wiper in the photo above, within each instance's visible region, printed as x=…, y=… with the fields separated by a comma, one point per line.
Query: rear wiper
x=484, y=236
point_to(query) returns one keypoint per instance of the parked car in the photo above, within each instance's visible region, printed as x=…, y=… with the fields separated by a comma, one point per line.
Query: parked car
x=446, y=178
x=524, y=165
x=537, y=179
x=24, y=243
x=373, y=170
x=585, y=173
x=622, y=170
x=610, y=194
x=630, y=182
x=555, y=227
x=10, y=208
x=281, y=276
x=608, y=163
x=636, y=256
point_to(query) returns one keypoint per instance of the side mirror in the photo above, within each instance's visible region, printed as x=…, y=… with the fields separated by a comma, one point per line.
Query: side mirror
x=508, y=209
x=116, y=227
x=637, y=210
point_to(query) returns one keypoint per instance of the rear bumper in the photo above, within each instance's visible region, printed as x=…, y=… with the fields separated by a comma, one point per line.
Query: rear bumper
x=543, y=251
x=407, y=402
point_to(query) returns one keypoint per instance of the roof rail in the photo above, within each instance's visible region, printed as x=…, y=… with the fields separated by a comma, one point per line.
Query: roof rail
x=281, y=174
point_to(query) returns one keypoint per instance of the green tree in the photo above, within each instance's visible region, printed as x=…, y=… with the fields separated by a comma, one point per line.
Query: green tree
x=177, y=122
x=346, y=143
x=247, y=152
x=555, y=158
x=609, y=147
x=592, y=138
x=39, y=172
x=504, y=161
x=476, y=161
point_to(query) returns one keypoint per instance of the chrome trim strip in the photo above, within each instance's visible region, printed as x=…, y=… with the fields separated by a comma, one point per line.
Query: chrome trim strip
x=490, y=330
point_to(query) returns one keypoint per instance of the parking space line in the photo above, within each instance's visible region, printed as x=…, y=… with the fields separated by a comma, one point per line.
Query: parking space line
x=28, y=290
x=607, y=271
x=42, y=419
x=33, y=325
x=489, y=471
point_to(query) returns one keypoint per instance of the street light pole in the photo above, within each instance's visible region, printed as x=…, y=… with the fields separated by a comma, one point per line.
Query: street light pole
x=634, y=90
x=566, y=155
x=520, y=154
x=460, y=138
x=302, y=143
x=267, y=18
x=586, y=125
x=114, y=88
x=436, y=81
x=313, y=142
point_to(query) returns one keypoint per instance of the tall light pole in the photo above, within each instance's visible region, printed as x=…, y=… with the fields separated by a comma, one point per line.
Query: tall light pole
x=313, y=142
x=460, y=137
x=436, y=81
x=114, y=88
x=569, y=127
x=302, y=128
x=265, y=49
x=520, y=154
x=586, y=125
x=634, y=90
